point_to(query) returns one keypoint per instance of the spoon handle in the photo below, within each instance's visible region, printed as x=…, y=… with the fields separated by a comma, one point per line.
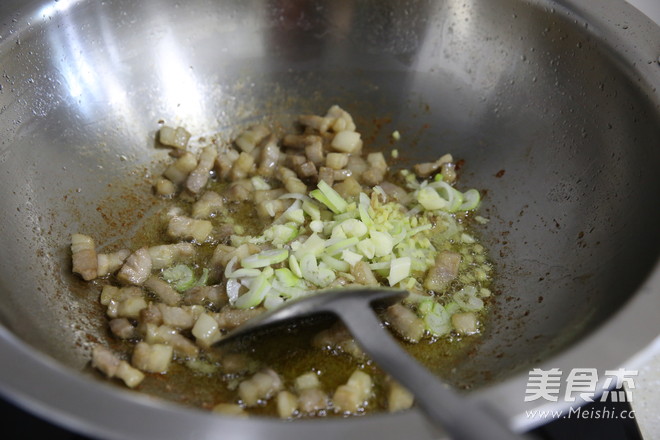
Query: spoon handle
x=458, y=416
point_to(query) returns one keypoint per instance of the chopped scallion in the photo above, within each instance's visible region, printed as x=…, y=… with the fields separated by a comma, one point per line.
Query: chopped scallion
x=335, y=264
x=383, y=243
x=265, y=258
x=468, y=300
x=244, y=273
x=436, y=318
x=341, y=245
x=311, y=209
x=471, y=199
x=180, y=277
x=329, y=197
x=313, y=245
x=350, y=257
x=294, y=265
x=253, y=297
x=430, y=199
x=399, y=269
x=285, y=276
x=317, y=274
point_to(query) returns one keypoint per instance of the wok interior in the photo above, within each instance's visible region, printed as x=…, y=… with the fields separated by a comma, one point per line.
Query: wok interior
x=560, y=136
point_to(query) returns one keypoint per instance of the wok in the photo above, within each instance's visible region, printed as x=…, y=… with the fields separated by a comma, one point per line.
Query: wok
x=553, y=106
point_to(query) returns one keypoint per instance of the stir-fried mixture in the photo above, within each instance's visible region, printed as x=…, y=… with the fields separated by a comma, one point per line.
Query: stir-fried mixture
x=267, y=219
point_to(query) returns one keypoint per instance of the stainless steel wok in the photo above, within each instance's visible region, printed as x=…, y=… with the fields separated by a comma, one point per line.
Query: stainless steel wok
x=554, y=106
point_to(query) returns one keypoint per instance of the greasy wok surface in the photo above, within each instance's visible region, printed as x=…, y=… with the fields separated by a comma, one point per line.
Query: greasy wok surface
x=554, y=112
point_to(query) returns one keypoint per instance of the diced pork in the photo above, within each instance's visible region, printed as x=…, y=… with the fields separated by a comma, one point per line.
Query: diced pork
x=427, y=168
x=84, y=257
x=200, y=175
x=312, y=400
x=225, y=162
x=178, y=172
x=250, y=138
x=173, y=137
x=398, y=398
x=152, y=358
x=269, y=158
x=443, y=271
x=122, y=328
x=214, y=296
x=352, y=396
x=287, y=404
x=338, y=338
x=363, y=274
x=105, y=360
x=242, y=167
x=187, y=228
x=316, y=122
x=177, y=317
x=209, y=203
x=137, y=268
x=110, y=263
x=230, y=318
x=165, y=255
x=164, y=187
x=163, y=334
x=110, y=365
x=206, y=331
x=262, y=386
x=301, y=141
x=465, y=323
x=119, y=294
x=405, y=322
x=162, y=290
x=314, y=153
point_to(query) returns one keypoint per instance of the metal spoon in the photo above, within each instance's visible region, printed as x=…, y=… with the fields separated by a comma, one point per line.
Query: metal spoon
x=459, y=417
